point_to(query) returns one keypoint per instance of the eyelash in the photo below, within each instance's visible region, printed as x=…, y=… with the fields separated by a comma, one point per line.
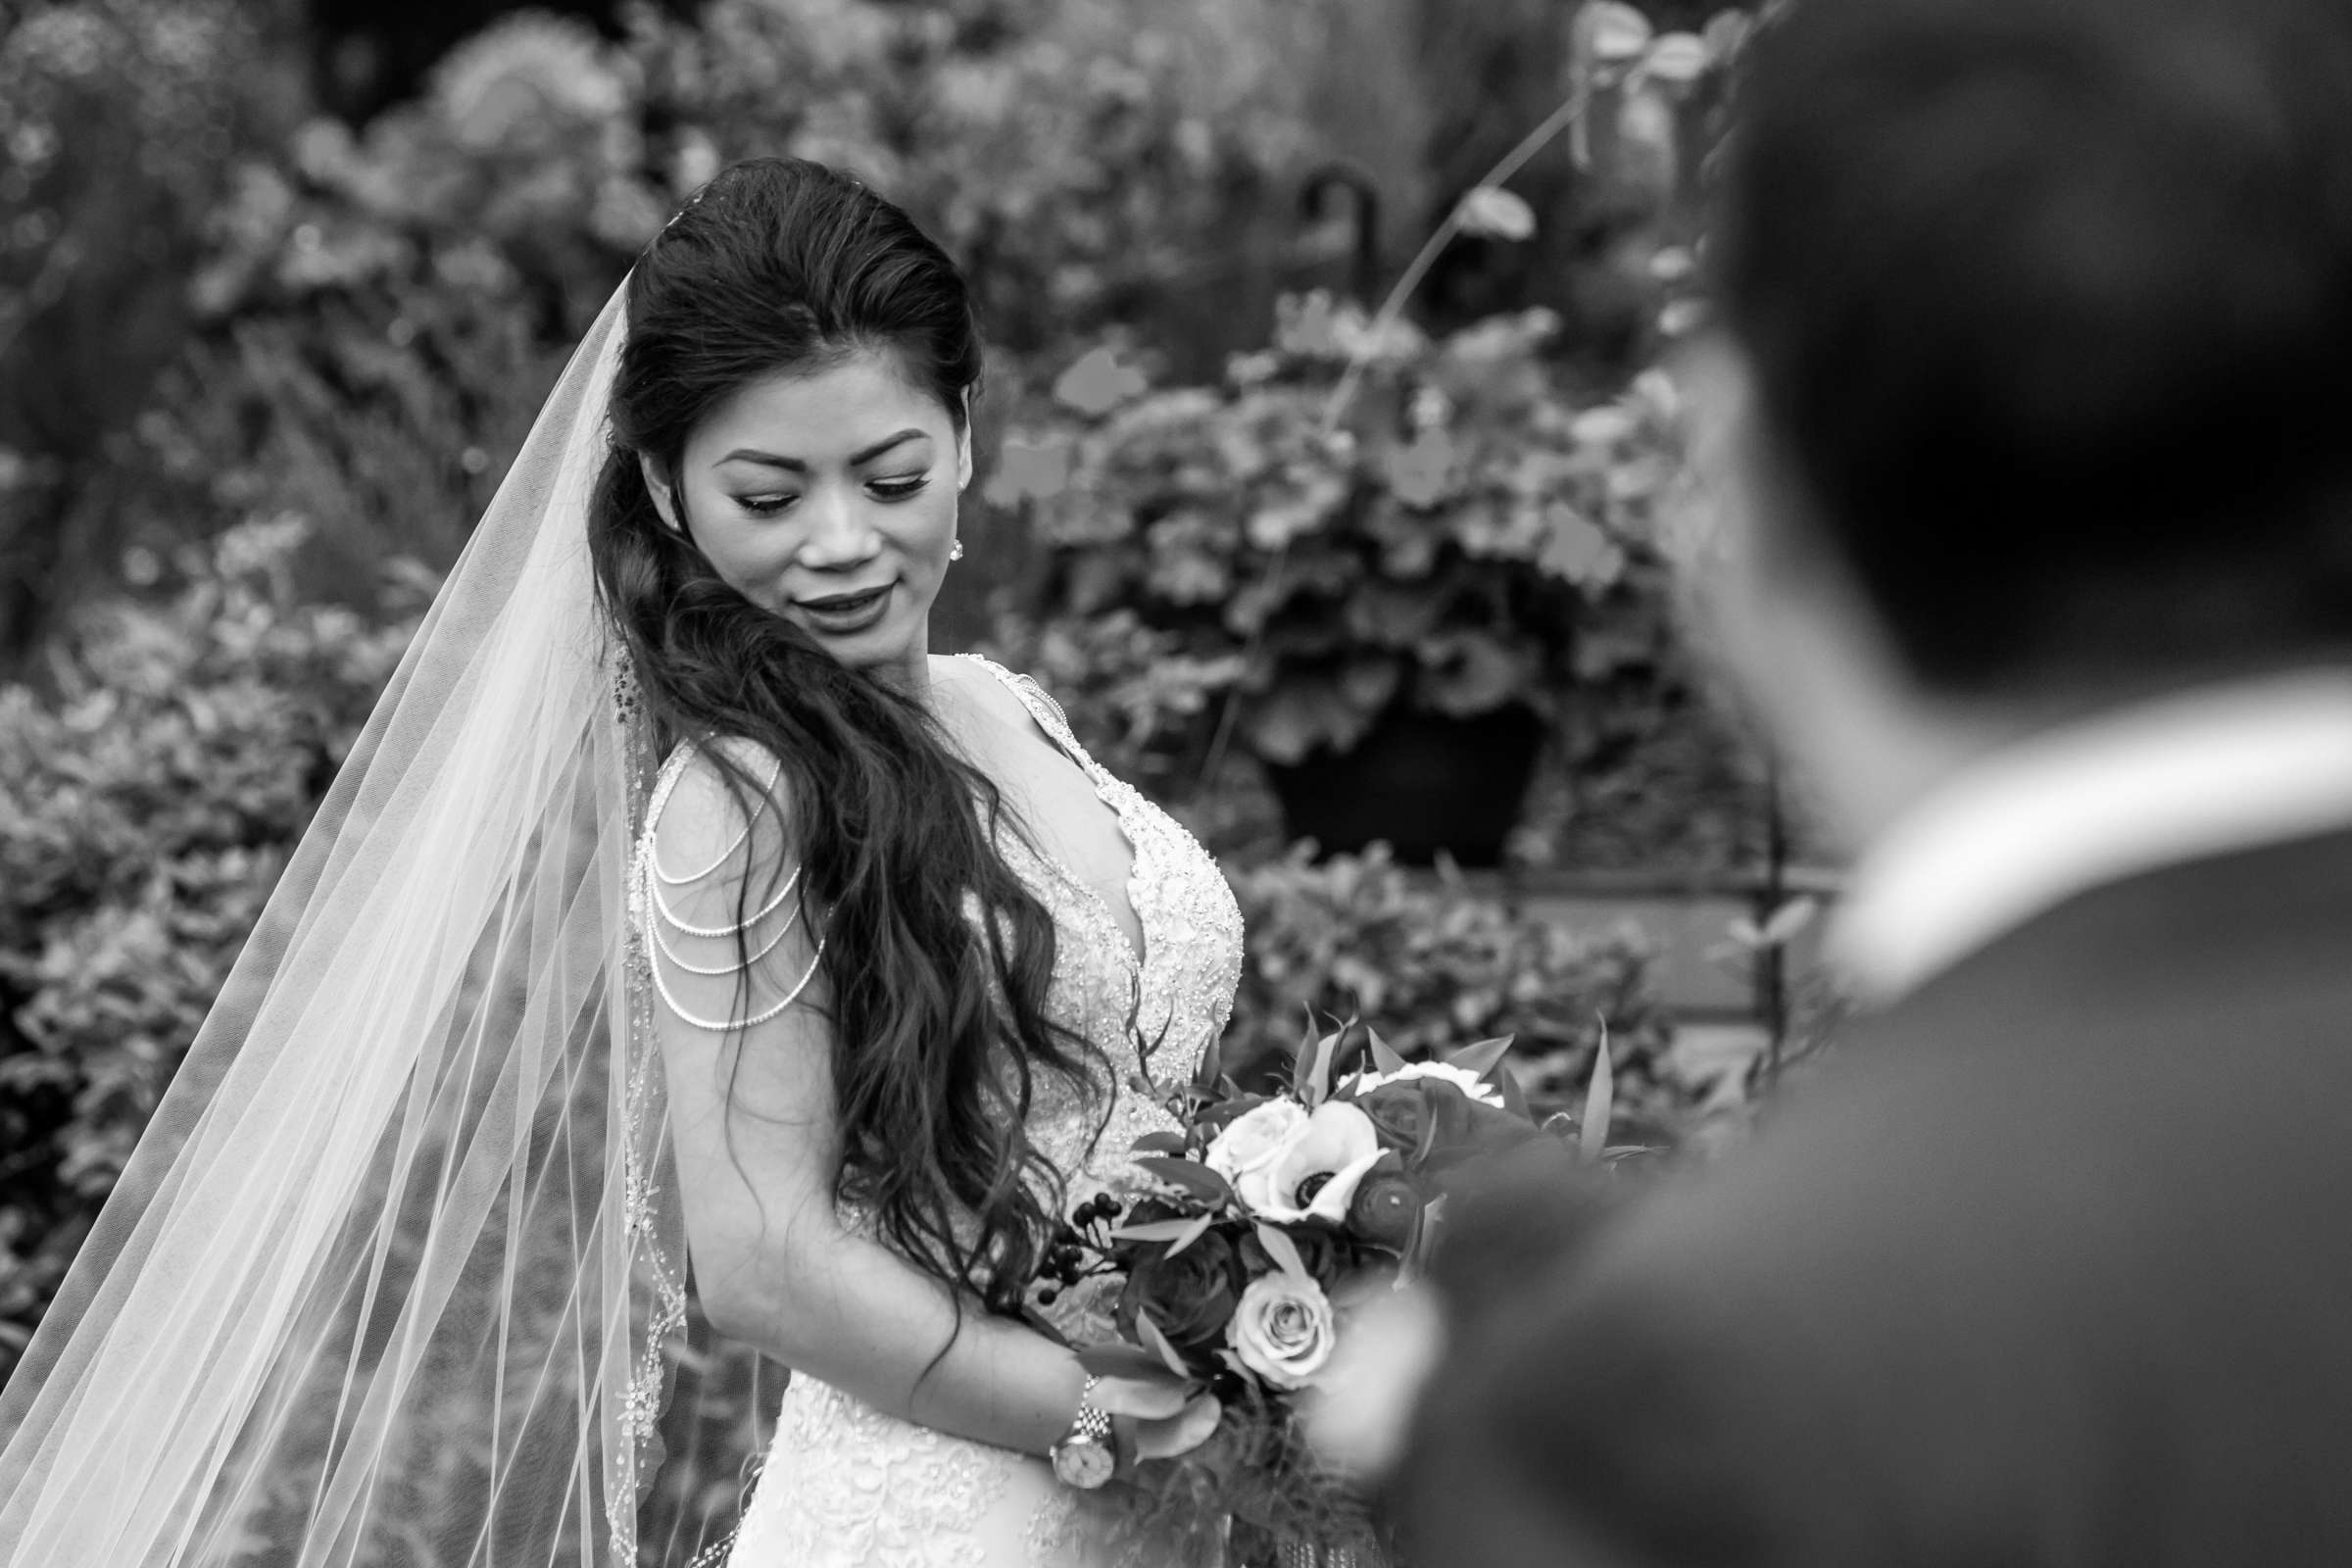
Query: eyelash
x=885, y=489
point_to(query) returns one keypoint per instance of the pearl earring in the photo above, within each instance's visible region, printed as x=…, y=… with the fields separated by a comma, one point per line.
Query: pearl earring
x=955, y=551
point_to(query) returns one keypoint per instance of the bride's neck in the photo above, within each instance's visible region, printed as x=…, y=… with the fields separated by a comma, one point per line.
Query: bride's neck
x=910, y=675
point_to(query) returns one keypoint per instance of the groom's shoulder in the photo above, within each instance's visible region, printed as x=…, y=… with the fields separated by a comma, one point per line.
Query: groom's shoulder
x=1977, y=1201
x=2084, y=1189
x=2144, y=1078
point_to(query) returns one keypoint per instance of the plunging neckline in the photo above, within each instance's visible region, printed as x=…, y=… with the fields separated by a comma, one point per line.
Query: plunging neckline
x=1135, y=948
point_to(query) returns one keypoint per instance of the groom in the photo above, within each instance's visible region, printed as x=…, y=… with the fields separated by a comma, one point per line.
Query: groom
x=2035, y=395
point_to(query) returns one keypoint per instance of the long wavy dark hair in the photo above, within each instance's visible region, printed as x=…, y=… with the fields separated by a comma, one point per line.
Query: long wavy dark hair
x=940, y=1026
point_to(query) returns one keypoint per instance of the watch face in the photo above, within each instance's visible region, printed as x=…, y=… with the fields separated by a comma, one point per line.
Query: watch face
x=1084, y=1464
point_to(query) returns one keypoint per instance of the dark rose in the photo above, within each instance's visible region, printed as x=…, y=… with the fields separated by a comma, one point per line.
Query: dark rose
x=1385, y=1203
x=1316, y=1244
x=1189, y=1296
x=1405, y=1112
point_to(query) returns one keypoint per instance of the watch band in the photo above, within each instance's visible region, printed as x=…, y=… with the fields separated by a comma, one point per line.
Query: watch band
x=1092, y=1423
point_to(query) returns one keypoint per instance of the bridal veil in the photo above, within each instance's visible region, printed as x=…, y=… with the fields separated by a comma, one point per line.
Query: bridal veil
x=389, y=1278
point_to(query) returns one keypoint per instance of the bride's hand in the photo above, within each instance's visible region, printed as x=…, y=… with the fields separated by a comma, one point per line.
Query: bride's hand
x=1155, y=1418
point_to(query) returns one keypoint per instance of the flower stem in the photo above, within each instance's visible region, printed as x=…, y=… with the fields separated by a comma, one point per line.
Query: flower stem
x=1392, y=307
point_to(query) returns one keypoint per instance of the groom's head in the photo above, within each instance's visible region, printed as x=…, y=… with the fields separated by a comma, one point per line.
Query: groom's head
x=2039, y=315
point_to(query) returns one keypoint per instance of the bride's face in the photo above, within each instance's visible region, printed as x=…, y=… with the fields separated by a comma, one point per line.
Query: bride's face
x=830, y=498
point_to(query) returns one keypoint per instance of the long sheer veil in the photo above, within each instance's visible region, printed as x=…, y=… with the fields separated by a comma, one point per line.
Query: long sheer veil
x=388, y=1278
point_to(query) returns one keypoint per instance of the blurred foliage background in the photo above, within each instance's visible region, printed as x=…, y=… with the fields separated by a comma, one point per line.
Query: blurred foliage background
x=1311, y=451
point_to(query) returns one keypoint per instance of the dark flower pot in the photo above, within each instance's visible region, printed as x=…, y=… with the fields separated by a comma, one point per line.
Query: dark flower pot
x=1422, y=781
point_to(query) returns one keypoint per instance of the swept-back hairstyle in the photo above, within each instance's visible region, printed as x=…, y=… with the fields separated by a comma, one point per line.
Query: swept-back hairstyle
x=784, y=265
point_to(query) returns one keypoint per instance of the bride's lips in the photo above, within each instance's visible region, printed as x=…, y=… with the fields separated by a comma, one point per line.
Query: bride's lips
x=845, y=615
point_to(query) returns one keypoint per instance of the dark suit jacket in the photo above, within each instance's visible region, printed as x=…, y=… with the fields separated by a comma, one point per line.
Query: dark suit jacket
x=2051, y=1265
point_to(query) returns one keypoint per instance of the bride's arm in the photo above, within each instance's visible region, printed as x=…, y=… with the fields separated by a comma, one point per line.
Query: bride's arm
x=757, y=1146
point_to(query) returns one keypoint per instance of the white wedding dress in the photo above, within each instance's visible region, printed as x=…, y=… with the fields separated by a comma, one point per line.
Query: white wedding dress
x=845, y=1486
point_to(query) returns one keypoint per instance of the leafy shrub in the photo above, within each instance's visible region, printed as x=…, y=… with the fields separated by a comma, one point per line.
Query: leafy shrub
x=381, y=314
x=147, y=807
x=1470, y=531
x=1079, y=157
x=117, y=120
x=378, y=314
x=1435, y=967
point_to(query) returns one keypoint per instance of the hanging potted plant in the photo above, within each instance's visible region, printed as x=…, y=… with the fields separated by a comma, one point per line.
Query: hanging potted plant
x=1411, y=589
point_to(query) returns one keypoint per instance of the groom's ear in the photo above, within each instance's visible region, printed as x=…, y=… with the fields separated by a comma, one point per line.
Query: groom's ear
x=658, y=486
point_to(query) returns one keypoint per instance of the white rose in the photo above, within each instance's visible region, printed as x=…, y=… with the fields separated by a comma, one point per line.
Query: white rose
x=1255, y=1136
x=1469, y=1083
x=1315, y=1173
x=1283, y=1328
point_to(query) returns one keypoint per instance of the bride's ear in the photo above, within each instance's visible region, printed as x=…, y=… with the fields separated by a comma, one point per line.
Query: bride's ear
x=657, y=484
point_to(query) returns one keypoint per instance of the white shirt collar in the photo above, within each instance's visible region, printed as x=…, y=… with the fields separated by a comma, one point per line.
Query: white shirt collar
x=2031, y=825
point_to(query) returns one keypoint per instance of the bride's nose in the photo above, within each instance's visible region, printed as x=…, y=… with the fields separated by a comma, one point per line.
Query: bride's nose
x=839, y=535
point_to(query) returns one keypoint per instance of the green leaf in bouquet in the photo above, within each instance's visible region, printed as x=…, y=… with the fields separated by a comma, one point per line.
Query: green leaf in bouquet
x=1347, y=1050
x=1153, y=1230
x=1480, y=1058
x=1117, y=1360
x=1383, y=1056
x=1283, y=1250
x=1212, y=1065
x=1302, y=1064
x=1158, y=1344
x=1229, y=1109
x=1514, y=1098
x=1485, y=1058
x=1424, y=1241
x=1189, y=1174
x=1159, y=1143
x=1197, y=1229
x=1599, y=1101
x=1426, y=1143
x=1318, y=1073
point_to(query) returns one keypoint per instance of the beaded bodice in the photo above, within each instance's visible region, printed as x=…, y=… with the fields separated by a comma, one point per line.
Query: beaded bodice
x=1151, y=1013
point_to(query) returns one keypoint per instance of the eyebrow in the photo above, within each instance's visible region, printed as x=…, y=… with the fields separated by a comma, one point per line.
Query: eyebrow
x=796, y=466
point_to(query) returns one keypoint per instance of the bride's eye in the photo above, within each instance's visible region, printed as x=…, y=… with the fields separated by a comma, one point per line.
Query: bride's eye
x=764, y=505
x=898, y=489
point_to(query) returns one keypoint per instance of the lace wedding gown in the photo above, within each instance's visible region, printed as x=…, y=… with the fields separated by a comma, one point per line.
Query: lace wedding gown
x=845, y=1486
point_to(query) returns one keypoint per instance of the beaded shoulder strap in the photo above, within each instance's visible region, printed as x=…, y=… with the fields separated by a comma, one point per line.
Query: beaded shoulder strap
x=1045, y=709
x=655, y=913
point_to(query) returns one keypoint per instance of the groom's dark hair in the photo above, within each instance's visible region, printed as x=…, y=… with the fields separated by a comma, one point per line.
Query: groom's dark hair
x=2049, y=304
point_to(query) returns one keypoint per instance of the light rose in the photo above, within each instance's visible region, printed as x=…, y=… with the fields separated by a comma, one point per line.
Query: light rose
x=1283, y=1328
x=1314, y=1174
x=1255, y=1136
x=1469, y=1083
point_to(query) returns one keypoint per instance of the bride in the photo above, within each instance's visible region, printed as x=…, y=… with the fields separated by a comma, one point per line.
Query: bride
x=677, y=902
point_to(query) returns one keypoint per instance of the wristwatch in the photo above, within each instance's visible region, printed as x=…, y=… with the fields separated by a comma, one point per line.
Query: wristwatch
x=1084, y=1457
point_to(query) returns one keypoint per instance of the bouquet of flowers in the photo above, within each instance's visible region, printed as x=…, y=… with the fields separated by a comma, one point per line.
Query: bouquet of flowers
x=1257, y=1228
